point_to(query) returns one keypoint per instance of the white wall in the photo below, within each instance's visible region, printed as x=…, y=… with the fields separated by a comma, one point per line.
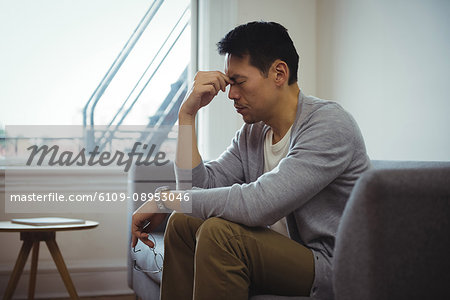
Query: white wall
x=387, y=62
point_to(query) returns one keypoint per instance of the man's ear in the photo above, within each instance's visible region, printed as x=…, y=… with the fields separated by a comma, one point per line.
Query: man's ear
x=281, y=72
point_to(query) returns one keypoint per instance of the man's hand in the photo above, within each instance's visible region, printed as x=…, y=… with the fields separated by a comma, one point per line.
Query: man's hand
x=138, y=231
x=145, y=213
x=206, y=86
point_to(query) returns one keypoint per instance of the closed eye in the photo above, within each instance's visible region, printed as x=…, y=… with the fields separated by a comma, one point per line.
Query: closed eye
x=238, y=80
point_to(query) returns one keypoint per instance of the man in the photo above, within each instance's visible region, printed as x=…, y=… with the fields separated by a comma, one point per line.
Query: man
x=295, y=161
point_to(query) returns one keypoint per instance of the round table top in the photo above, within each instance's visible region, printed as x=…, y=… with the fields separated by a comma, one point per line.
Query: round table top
x=8, y=226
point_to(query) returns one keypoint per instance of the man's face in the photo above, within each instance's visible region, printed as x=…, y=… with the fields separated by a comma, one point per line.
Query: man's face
x=253, y=94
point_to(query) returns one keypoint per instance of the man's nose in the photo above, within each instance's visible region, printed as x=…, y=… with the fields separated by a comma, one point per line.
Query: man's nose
x=233, y=94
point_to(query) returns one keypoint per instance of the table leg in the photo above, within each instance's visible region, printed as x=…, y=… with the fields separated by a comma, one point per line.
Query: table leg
x=59, y=261
x=33, y=271
x=18, y=268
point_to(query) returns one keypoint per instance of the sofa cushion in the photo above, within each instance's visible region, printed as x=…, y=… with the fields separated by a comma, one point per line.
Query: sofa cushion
x=145, y=258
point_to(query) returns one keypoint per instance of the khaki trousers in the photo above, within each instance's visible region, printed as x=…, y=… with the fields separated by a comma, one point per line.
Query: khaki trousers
x=218, y=259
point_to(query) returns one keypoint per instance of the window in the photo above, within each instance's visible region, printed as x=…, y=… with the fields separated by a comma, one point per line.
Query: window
x=99, y=63
x=54, y=54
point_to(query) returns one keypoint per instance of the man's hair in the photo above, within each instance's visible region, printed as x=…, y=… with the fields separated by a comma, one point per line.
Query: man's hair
x=264, y=42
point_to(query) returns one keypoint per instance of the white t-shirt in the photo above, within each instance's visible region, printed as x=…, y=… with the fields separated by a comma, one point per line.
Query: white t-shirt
x=273, y=153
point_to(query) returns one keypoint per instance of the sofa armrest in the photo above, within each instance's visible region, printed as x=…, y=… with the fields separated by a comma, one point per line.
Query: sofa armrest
x=145, y=179
x=394, y=237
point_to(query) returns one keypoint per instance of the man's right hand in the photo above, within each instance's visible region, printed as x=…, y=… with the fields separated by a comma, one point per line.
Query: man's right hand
x=205, y=87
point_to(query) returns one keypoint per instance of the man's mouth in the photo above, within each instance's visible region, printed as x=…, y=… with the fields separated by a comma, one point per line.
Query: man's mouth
x=239, y=108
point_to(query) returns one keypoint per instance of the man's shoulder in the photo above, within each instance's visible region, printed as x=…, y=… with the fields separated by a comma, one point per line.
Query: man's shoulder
x=312, y=103
x=325, y=115
x=313, y=107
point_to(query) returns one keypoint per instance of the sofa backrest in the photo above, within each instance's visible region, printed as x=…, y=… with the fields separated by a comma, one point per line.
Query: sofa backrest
x=404, y=164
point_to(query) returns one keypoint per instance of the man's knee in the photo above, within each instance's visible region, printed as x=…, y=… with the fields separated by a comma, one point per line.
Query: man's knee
x=181, y=225
x=176, y=220
x=216, y=229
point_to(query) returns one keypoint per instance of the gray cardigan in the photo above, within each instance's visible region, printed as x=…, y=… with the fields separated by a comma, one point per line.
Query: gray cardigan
x=310, y=186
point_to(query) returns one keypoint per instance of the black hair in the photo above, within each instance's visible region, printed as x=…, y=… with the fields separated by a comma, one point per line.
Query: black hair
x=264, y=42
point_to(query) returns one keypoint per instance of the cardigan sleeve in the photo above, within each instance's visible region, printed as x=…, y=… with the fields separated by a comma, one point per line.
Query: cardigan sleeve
x=224, y=171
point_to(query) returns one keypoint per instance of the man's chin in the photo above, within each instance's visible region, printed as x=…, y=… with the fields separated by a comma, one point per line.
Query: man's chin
x=249, y=120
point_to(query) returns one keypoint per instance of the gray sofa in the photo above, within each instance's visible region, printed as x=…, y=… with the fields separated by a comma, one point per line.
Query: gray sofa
x=393, y=241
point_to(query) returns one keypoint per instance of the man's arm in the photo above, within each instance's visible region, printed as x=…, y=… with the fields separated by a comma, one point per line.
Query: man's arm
x=322, y=151
x=205, y=87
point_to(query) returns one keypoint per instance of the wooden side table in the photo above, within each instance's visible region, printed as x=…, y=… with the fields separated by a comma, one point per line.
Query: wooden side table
x=31, y=237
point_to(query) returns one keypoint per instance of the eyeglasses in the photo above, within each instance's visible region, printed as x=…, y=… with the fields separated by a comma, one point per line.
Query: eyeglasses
x=157, y=257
